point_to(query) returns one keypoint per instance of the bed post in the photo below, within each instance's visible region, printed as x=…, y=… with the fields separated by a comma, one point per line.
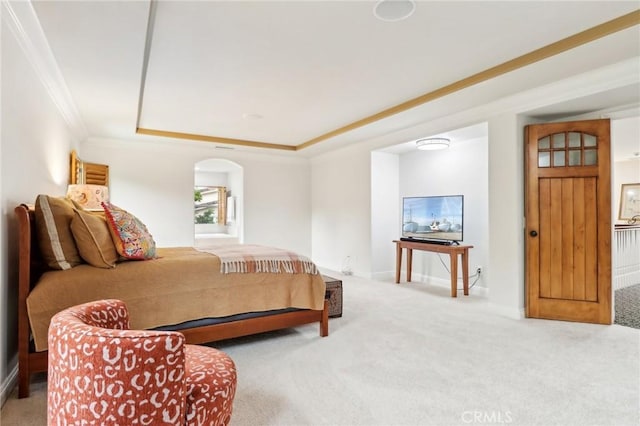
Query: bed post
x=24, y=284
x=30, y=267
x=324, y=321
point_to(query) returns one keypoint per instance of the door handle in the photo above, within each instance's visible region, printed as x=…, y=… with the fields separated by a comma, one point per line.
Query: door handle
x=533, y=233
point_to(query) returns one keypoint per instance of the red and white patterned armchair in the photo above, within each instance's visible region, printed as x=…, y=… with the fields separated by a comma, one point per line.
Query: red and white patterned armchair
x=102, y=373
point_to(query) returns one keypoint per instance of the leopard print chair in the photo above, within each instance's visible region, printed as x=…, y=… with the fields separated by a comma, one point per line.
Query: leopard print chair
x=102, y=373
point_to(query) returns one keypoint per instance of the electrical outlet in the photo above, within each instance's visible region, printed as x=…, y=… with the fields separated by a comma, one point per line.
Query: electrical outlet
x=346, y=266
x=479, y=270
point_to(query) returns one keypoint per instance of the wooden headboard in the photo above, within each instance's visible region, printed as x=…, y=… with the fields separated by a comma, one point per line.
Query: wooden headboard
x=30, y=263
x=30, y=267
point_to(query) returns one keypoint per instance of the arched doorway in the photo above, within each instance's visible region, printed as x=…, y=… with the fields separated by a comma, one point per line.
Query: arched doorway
x=218, y=195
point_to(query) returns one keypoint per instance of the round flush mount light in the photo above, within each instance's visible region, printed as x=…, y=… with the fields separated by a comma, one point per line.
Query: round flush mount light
x=394, y=10
x=431, y=144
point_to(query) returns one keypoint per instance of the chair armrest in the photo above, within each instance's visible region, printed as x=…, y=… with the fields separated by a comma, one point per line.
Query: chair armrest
x=211, y=386
x=109, y=313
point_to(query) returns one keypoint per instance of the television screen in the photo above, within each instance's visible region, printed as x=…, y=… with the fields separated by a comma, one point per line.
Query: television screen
x=436, y=218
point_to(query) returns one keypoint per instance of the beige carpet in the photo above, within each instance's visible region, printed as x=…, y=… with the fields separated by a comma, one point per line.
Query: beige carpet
x=411, y=355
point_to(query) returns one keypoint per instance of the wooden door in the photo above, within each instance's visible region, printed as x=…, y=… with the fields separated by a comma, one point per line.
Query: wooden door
x=568, y=221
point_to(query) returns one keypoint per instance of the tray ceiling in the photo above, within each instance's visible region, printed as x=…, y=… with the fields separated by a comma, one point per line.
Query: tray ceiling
x=296, y=74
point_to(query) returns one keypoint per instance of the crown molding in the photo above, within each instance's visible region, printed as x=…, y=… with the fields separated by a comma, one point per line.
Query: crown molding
x=23, y=23
x=215, y=139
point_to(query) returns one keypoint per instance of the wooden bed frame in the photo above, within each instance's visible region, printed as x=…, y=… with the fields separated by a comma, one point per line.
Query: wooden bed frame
x=31, y=267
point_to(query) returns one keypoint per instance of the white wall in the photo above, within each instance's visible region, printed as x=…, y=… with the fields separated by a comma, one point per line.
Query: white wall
x=385, y=212
x=460, y=169
x=203, y=178
x=34, y=158
x=154, y=181
x=341, y=213
x=624, y=131
x=505, y=273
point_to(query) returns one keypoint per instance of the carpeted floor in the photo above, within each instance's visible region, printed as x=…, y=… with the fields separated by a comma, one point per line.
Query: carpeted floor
x=627, y=305
x=410, y=355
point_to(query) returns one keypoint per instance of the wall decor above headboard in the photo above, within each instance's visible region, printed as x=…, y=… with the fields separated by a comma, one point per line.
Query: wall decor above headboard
x=82, y=172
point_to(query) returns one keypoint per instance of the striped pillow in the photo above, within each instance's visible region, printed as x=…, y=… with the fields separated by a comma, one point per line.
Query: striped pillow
x=53, y=219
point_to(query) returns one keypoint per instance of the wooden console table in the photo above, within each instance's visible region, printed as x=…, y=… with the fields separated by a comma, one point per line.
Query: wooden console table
x=452, y=251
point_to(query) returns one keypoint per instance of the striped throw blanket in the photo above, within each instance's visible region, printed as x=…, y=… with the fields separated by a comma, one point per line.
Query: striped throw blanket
x=247, y=258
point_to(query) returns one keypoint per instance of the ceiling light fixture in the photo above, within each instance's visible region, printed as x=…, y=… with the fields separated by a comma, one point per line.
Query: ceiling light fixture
x=394, y=10
x=431, y=144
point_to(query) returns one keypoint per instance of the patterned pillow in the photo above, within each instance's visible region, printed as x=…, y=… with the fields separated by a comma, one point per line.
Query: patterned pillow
x=129, y=234
x=53, y=218
x=93, y=239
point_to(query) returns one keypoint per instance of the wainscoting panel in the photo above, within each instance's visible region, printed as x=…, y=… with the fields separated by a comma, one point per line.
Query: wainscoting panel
x=626, y=256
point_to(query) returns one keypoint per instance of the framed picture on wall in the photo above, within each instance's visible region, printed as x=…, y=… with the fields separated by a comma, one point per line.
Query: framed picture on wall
x=630, y=202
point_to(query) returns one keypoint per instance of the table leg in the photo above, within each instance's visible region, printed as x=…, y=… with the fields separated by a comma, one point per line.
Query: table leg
x=398, y=262
x=465, y=272
x=409, y=263
x=454, y=274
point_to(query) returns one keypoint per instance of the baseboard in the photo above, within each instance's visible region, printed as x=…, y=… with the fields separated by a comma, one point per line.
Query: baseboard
x=382, y=276
x=513, y=313
x=446, y=283
x=476, y=290
x=8, y=384
x=479, y=291
x=330, y=272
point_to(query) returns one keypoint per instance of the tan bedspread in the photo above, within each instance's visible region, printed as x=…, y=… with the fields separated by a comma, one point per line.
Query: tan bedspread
x=183, y=284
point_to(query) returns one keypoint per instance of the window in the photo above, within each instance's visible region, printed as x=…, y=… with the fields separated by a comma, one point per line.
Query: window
x=210, y=204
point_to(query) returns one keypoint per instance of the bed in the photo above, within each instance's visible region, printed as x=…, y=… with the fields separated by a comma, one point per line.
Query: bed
x=188, y=293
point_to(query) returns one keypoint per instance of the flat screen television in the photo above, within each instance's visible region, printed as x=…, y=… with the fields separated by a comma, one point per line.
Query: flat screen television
x=433, y=219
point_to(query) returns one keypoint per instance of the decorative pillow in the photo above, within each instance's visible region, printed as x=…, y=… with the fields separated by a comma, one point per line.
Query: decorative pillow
x=93, y=240
x=89, y=197
x=53, y=218
x=129, y=234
